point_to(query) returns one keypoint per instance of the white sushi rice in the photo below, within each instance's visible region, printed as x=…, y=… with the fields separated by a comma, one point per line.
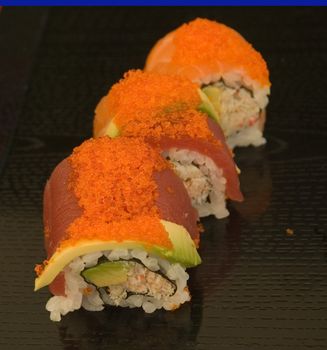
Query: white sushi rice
x=203, y=180
x=75, y=285
x=250, y=136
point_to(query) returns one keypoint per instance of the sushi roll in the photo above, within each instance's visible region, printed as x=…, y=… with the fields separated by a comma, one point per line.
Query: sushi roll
x=164, y=111
x=119, y=230
x=232, y=74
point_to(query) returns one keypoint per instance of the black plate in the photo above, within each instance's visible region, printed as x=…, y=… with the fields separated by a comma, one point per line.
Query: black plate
x=258, y=287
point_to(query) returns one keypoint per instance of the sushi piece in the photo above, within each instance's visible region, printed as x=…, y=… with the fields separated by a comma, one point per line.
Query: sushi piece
x=163, y=110
x=119, y=230
x=232, y=74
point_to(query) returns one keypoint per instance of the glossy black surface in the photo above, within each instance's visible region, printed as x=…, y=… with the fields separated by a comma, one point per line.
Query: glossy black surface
x=258, y=288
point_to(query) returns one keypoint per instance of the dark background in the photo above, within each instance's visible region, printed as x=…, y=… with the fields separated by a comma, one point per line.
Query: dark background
x=258, y=288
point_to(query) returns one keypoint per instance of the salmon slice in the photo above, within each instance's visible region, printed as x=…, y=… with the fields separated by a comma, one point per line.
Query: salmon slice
x=204, y=51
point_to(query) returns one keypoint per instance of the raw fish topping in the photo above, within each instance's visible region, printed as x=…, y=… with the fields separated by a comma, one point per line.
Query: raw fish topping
x=205, y=42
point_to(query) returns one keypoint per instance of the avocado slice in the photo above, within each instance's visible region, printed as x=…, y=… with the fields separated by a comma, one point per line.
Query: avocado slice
x=107, y=273
x=112, y=130
x=210, y=102
x=183, y=251
x=213, y=93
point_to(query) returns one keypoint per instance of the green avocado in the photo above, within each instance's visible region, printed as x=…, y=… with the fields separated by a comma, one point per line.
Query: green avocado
x=210, y=102
x=107, y=273
x=115, y=272
x=112, y=130
x=184, y=251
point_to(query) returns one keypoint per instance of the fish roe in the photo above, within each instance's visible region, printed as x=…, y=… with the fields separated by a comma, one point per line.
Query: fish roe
x=175, y=125
x=113, y=183
x=87, y=291
x=38, y=269
x=212, y=45
x=143, y=94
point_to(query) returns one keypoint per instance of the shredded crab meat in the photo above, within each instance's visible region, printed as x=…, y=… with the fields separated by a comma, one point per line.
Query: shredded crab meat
x=197, y=183
x=140, y=280
x=203, y=180
x=238, y=108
